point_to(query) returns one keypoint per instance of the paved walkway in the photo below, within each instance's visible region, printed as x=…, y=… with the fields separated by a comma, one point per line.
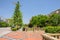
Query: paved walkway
x=4, y=31
x=20, y=35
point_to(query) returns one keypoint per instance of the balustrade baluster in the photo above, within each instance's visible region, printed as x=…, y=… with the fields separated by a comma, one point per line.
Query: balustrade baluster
x=59, y=36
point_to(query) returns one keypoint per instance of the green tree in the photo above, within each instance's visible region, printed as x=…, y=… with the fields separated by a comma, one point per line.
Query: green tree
x=42, y=20
x=39, y=20
x=33, y=21
x=17, y=17
x=54, y=19
x=59, y=19
x=10, y=21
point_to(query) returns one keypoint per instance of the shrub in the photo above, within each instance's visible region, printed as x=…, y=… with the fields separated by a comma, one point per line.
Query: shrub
x=14, y=29
x=3, y=24
x=52, y=29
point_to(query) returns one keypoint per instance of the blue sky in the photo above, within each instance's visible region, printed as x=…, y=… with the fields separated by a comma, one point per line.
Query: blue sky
x=29, y=8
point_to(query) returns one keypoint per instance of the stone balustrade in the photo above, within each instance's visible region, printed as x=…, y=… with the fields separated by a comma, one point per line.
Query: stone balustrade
x=55, y=35
x=48, y=37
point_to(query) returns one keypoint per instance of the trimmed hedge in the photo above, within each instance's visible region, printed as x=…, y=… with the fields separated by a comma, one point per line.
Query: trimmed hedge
x=3, y=24
x=14, y=29
x=52, y=29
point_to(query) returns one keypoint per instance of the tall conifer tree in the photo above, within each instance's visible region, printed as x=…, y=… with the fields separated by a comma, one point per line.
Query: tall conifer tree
x=17, y=17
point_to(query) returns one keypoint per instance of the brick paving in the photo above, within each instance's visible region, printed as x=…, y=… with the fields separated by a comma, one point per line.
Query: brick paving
x=22, y=35
x=3, y=39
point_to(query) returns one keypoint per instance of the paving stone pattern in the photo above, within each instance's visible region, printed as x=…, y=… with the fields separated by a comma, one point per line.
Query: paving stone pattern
x=22, y=35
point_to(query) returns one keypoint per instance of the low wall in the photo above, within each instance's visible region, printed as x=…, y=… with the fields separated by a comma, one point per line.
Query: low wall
x=47, y=37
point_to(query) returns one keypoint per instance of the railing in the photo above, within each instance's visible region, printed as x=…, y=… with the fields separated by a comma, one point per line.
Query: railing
x=47, y=37
x=55, y=35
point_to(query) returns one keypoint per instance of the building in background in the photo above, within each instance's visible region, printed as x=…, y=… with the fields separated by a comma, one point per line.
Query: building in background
x=56, y=11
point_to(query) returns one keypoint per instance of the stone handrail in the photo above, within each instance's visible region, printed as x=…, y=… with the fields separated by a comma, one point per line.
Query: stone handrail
x=47, y=37
x=55, y=35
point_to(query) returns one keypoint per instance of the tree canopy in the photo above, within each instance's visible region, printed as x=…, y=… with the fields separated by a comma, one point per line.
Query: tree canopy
x=45, y=20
